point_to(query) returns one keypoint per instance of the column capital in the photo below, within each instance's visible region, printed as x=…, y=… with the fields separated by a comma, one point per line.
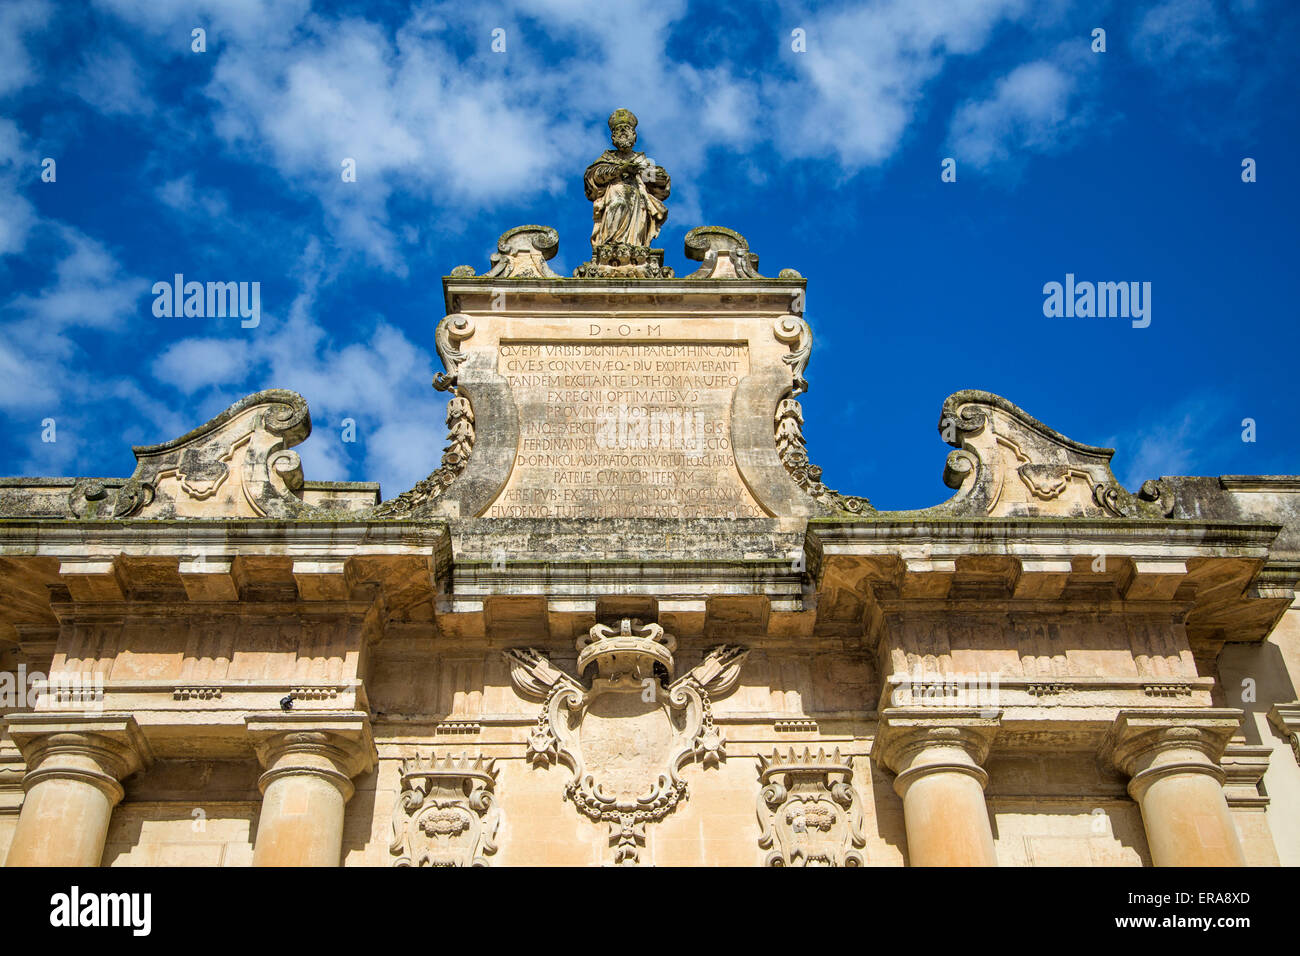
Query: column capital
x=1150, y=743
x=336, y=745
x=914, y=741
x=99, y=749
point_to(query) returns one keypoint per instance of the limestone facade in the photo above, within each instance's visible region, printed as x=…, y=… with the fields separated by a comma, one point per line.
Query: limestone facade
x=623, y=621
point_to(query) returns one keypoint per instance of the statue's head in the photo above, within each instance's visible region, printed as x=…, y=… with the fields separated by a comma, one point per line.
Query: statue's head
x=622, y=128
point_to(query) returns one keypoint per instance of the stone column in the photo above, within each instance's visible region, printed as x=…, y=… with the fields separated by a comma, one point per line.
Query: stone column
x=310, y=760
x=1171, y=757
x=936, y=754
x=75, y=767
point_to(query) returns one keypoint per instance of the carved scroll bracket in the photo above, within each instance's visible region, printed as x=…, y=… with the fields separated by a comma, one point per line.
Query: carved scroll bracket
x=451, y=331
x=723, y=254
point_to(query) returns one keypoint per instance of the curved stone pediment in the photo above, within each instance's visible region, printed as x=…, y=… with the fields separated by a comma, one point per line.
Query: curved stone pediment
x=238, y=464
x=1009, y=464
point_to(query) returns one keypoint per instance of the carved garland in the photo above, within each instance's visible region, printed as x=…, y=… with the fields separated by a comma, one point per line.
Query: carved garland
x=790, y=443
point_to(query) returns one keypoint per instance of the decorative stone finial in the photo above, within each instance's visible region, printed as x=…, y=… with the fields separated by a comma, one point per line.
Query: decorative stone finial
x=724, y=253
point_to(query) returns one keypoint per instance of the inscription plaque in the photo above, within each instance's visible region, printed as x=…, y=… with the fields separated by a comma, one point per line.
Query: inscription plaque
x=627, y=429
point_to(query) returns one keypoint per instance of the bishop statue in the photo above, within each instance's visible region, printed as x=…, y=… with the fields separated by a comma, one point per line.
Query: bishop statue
x=627, y=189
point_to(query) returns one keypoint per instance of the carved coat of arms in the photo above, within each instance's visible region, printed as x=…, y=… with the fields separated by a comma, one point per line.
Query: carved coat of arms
x=808, y=811
x=626, y=736
x=446, y=814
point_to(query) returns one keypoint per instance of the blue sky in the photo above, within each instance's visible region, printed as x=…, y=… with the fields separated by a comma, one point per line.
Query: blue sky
x=225, y=165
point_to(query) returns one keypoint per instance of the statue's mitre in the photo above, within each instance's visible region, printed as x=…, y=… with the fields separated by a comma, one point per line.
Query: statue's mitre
x=622, y=117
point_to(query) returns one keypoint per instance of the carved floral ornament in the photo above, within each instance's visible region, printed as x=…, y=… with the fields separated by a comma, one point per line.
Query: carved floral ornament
x=808, y=812
x=446, y=813
x=626, y=735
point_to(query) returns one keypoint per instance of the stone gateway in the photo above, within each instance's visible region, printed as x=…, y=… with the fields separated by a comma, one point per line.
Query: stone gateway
x=624, y=621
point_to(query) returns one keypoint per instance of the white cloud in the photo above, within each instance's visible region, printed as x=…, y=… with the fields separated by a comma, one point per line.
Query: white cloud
x=44, y=368
x=381, y=381
x=111, y=80
x=1178, y=29
x=90, y=290
x=1170, y=448
x=182, y=195
x=1028, y=109
x=866, y=69
x=227, y=22
x=425, y=119
x=194, y=364
x=18, y=20
x=18, y=163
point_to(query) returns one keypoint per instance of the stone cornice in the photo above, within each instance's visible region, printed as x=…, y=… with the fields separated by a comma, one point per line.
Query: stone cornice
x=568, y=295
x=57, y=537
x=1069, y=535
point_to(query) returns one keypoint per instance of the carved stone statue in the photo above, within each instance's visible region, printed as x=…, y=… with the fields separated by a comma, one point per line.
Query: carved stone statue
x=628, y=192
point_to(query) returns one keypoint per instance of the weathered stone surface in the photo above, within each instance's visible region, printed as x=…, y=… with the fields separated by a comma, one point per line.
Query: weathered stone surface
x=1008, y=463
x=587, y=638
